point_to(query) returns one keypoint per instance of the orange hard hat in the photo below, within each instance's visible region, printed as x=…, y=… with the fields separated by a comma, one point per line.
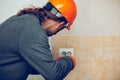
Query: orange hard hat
x=67, y=8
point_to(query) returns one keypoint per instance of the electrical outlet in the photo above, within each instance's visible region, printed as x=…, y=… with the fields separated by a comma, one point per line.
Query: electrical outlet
x=65, y=51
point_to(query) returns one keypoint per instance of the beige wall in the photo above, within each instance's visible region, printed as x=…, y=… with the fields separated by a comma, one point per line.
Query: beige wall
x=98, y=57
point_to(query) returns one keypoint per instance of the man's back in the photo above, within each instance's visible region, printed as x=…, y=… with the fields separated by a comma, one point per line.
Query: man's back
x=12, y=65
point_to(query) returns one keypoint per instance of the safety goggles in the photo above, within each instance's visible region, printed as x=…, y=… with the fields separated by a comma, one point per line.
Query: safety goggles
x=55, y=12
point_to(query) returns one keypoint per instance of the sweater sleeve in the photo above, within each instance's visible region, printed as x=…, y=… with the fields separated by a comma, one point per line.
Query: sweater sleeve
x=34, y=48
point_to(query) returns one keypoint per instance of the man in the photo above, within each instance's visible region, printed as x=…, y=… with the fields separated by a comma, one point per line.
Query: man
x=24, y=47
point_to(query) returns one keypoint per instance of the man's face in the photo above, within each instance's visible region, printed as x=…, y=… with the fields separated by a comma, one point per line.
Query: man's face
x=54, y=29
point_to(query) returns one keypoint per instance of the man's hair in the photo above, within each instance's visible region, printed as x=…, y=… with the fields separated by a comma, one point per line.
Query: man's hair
x=40, y=13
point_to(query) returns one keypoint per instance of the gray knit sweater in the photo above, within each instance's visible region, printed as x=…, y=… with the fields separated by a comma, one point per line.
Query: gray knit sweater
x=24, y=49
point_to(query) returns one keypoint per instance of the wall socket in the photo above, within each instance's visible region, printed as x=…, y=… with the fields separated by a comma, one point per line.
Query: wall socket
x=65, y=51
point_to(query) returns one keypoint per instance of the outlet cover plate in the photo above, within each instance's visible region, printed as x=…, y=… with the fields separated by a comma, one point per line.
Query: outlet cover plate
x=64, y=51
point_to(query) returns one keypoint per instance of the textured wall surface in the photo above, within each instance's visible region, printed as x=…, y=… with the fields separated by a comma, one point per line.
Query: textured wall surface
x=98, y=57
